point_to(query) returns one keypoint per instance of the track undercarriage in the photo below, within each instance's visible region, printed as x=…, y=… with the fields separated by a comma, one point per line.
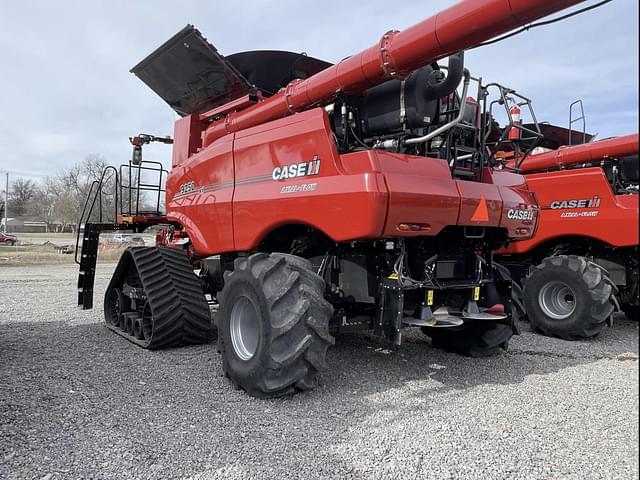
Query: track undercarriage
x=155, y=300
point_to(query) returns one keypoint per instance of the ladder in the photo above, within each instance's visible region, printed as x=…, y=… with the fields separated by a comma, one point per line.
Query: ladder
x=126, y=215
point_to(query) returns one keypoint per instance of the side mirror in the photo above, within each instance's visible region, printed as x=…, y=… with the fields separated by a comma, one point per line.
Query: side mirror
x=136, y=156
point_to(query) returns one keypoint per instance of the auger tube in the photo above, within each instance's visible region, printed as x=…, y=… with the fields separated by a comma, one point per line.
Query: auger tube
x=589, y=152
x=461, y=26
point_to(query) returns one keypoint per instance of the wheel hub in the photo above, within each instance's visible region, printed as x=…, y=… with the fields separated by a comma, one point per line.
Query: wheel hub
x=557, y=300
x=245, y=328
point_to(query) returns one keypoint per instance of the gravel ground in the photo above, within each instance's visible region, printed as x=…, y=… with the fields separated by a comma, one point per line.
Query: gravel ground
x=77, y=401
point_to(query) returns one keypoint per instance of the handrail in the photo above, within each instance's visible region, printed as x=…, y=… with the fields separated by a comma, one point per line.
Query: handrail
x=453, y=122
x=139, y=186
x=574, y=120
x=507, y=94
x=98, y=193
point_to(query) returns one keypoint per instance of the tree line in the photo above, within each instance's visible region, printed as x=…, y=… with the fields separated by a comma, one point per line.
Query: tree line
x=58, y=200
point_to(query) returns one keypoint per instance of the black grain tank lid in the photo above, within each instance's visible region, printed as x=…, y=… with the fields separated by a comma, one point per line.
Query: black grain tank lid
x=190, y=75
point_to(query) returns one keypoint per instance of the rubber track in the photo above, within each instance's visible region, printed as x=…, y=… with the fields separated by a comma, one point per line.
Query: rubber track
x=180, y=312
x=601, y=290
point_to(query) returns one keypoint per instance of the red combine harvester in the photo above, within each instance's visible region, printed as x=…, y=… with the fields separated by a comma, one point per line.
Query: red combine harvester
x=583, y=259
x=315, y=198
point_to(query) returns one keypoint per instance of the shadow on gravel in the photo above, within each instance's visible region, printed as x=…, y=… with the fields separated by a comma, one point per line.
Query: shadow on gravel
x=416, y=360
x=79, y=401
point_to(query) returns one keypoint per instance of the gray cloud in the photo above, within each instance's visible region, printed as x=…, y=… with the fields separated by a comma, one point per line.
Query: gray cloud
x=66, y=89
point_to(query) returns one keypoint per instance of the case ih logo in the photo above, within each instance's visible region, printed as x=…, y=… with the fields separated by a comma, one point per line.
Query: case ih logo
x=514, y=214
x=576, y=203
x=303, y=169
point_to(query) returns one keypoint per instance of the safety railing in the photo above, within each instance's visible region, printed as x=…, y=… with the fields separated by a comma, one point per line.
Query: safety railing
x=95, y=194
x=135, y=185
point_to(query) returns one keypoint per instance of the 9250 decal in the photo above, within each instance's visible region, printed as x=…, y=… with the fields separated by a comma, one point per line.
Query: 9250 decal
x=187, y=187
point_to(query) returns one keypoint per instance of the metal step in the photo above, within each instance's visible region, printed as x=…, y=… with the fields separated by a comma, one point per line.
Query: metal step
x=88, y=257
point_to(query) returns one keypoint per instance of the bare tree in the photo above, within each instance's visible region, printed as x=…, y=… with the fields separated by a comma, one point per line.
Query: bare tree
x=22, y=192
x=76, y=189
x=42, y=204
x=60, y=199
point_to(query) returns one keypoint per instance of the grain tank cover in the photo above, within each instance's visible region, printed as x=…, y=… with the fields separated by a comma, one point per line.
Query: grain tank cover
x=271, y=70
x=190, y=75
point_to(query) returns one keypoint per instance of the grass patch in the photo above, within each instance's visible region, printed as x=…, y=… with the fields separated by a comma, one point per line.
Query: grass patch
x=46, y=255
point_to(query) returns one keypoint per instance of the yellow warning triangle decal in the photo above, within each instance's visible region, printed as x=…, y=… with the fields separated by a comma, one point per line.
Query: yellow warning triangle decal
x=482, y=213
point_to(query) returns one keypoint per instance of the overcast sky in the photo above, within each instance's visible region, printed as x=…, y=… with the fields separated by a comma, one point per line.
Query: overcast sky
x=66, y=90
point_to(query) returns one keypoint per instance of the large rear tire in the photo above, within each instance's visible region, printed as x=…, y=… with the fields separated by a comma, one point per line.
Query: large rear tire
x=273, y=324
x=569, y=297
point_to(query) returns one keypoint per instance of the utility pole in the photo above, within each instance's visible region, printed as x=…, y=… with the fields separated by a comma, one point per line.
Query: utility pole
x=6, y=206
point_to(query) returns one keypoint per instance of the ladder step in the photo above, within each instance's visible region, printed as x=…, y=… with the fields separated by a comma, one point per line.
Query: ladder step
x=86, y=274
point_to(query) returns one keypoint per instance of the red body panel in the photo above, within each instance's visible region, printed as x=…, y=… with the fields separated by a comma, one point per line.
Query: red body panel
x=421, y=191
x=344, y=206
x=227, y=198
x=612, y=220
x=205, y=211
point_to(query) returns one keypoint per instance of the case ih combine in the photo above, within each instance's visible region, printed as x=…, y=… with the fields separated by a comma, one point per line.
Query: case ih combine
x=583, y=259
x=315, y=198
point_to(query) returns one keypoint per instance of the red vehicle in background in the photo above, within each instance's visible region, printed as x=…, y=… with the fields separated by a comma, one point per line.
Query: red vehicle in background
x=7, y=239
x=582, y=262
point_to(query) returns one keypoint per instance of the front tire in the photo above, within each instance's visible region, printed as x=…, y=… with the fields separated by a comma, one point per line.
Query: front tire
x=567, y=296
x=273, y=324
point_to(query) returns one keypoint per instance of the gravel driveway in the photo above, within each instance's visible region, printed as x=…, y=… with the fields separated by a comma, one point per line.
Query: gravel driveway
x=77, y=401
